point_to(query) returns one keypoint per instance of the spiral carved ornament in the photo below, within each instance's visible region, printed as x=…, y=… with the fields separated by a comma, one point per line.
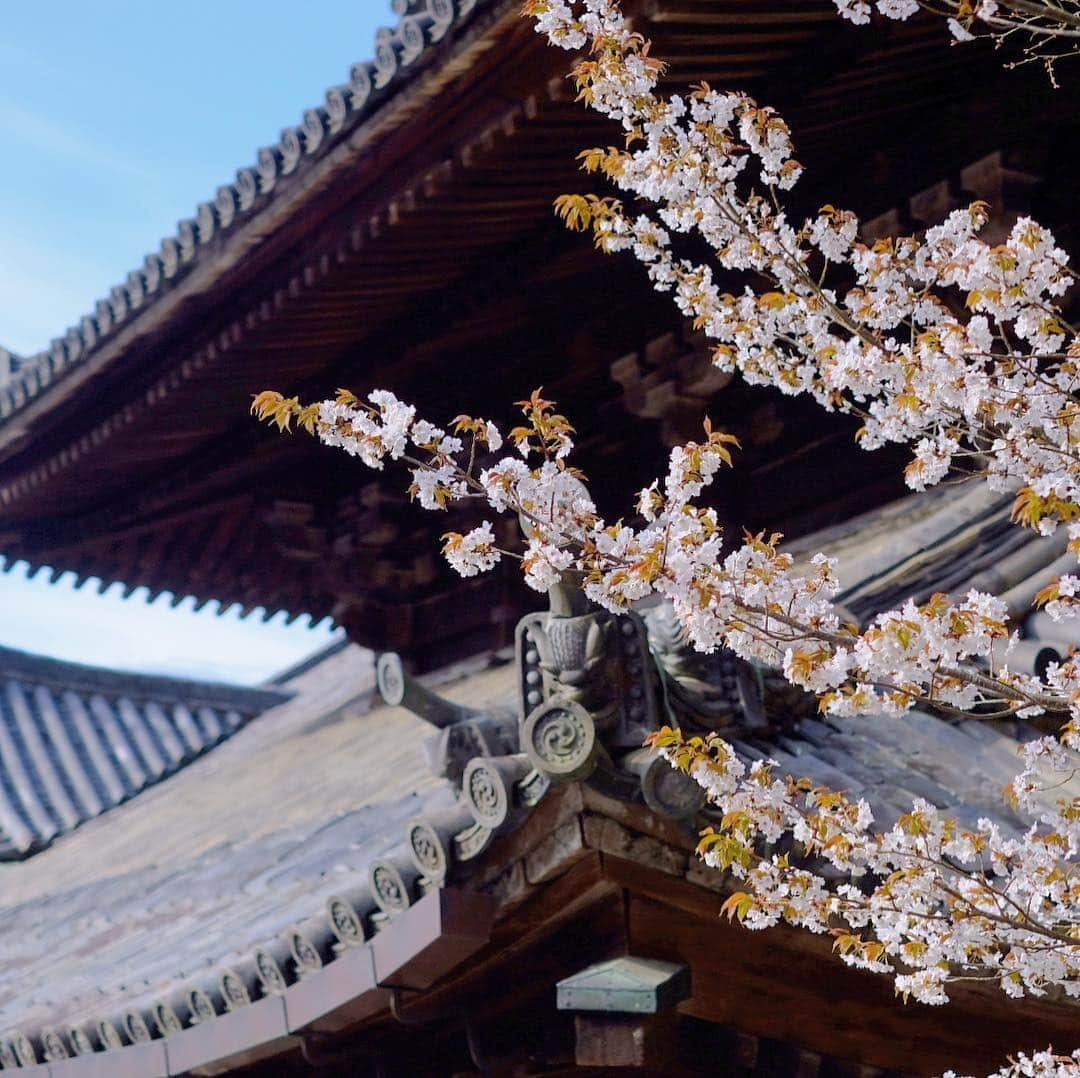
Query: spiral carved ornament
x=560, y=740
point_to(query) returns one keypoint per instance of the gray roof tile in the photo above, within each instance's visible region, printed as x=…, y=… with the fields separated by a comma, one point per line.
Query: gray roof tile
x=77, y=740
x=397, y=55
x=252, y=840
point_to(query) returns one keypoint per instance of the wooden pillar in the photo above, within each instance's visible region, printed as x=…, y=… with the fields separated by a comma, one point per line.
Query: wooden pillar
x=625, y=1040
x=624, y=1012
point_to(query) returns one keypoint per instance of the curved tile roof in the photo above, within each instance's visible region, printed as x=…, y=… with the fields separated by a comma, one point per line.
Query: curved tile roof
x=77, y=740
x=243, y=880
x=315, y=834
x=9, y=364
x=398, y=51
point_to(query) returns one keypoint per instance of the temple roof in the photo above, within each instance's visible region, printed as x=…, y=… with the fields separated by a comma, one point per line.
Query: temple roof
x=403, y=236
x=399, y=51
x=330, y=828
x=339, y=857
x=9, y=364
x=75, y=741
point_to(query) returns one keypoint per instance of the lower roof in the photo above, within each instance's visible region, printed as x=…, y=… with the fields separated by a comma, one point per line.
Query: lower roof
x=78, y=740
x=257, y=862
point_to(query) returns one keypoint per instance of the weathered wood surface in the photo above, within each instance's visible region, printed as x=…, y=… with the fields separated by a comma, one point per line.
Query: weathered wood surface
x=787, y=985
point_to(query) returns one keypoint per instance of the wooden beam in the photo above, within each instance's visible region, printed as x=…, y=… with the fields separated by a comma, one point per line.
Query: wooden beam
x=786, y=984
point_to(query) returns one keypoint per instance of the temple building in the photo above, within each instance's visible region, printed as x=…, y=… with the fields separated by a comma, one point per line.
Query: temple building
x=441, y=849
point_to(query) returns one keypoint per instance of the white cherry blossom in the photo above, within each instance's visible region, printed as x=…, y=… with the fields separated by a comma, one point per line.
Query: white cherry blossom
x=870, y=329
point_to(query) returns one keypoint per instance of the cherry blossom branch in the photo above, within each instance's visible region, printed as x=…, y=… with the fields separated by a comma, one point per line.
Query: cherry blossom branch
x=1051, y=27
x=874, y=330
x=887, y=343
x=753, y=600
x=935, y=903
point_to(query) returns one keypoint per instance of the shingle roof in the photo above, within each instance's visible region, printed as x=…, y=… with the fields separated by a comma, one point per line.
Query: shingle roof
x=319, y=827
x=399, y=51
x=77, y=740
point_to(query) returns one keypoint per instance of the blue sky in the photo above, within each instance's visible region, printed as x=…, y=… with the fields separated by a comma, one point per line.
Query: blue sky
x=116, y=119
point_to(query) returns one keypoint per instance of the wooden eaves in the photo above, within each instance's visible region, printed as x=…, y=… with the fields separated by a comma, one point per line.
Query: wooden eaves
x=587, y=878
x=402, y=235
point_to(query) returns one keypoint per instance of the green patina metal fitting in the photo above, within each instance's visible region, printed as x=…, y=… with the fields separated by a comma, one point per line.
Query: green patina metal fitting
x=626, y=985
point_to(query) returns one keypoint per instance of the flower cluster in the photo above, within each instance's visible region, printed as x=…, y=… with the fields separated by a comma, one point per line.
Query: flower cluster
x=930, y=901
x=1046, y=29
x=946, y=343
x=368, y=433
x=985, y=11
x=1044, y=1064
x=472, y=553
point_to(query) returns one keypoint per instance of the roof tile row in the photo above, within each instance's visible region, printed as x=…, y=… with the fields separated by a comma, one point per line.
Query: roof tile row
x=76, y=741
x=421, y=24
